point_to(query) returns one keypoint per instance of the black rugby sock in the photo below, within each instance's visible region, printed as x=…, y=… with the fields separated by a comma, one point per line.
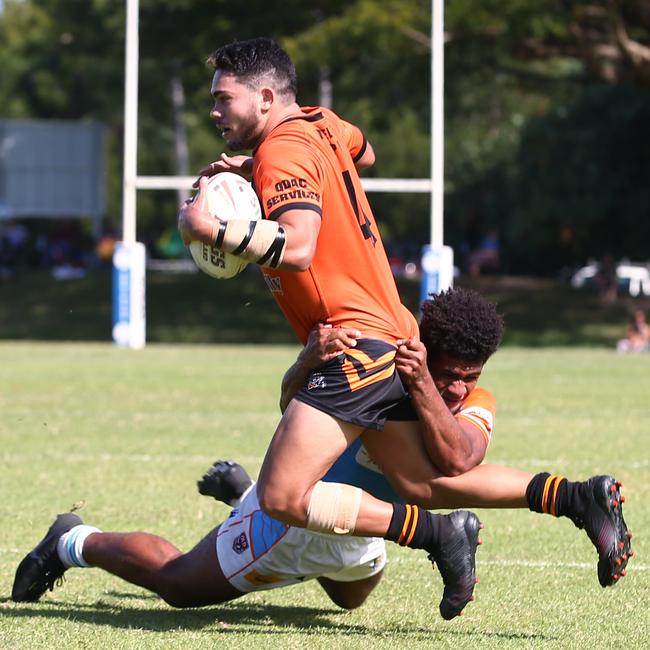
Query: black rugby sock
x=555, y=495
x=413, y=527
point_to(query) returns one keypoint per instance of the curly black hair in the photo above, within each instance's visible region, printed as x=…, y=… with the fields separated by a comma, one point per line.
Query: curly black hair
x=461, y=323
x=255, y=60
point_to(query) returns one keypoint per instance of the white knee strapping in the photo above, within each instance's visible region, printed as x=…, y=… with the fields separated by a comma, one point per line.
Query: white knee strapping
x=333, y=508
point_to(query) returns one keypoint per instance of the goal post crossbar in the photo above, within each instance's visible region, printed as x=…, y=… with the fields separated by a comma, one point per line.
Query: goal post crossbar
x=417, y=185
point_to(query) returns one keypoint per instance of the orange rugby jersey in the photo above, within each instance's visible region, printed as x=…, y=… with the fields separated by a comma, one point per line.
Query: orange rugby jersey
x=308, y=163
x=479, y=408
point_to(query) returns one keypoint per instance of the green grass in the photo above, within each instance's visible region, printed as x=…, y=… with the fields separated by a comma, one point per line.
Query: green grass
x=128, y=433
x=197, y=309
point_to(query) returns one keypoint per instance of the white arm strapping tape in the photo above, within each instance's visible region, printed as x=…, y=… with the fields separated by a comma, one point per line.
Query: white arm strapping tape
x=262, y=242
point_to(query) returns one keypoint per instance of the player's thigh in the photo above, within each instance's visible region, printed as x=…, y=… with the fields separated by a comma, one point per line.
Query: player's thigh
x=195, y=579
x=304, y=446
x=350, y=595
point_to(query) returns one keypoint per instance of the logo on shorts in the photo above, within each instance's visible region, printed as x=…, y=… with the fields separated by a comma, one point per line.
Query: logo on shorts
x=316, y=381
x=240, y=544
x=260, y=580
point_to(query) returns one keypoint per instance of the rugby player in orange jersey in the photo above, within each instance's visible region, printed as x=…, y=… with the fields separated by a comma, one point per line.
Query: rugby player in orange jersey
x=323, y=260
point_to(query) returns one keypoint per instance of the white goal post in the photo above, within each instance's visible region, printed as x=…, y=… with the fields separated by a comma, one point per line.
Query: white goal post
x=421, y=185
x=129, y=311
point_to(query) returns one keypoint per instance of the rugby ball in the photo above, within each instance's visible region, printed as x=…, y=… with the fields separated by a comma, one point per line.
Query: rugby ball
x=229, y=196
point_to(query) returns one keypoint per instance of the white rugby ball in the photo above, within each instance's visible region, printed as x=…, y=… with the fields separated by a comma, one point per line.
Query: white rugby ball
x=229, y=196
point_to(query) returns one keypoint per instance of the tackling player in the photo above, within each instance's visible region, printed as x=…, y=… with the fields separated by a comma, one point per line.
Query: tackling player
x=458, y=331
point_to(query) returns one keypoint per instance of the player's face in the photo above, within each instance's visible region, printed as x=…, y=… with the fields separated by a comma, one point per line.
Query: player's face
x=454, y=378
x=236, y=111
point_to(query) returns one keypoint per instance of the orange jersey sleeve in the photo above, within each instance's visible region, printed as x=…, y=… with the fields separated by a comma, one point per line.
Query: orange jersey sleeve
x=307, y=163
x=354, y=139
x=479, y=409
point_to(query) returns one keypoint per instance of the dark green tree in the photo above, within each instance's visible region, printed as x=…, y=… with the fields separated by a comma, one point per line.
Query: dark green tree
x=522, y=80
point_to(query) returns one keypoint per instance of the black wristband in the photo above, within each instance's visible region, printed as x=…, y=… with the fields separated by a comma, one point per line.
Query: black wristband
x=220, y=235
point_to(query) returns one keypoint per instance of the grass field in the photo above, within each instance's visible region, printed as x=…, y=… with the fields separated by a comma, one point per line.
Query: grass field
x=127, y=434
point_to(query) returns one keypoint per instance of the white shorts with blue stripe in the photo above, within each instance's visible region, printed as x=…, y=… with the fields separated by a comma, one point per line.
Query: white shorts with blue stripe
x=257, y=552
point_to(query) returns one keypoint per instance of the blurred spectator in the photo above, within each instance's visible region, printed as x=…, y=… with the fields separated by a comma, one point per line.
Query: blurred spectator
x=15, y=233
x=485, y=257
x=14, y=238
x=404, y=257
x=65, y=244
x=637, y=334
x=170, y=244
x=104, y=249
x=67, y=249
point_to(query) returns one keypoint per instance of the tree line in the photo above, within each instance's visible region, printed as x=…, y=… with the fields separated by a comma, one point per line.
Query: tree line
x=547, y=105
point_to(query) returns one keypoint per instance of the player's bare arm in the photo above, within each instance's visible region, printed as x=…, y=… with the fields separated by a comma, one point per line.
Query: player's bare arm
x=324, y=344
x=288, y=243
x=453, y=445
x=367, y=159
x=301, y=228
x=400, y=453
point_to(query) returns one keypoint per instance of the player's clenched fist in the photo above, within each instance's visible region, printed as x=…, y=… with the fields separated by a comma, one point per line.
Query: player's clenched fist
x=194, y=221
x=326, y=343
x=411, y=361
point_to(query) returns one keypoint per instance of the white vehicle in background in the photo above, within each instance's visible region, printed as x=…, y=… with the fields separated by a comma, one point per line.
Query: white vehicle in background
x=633, y=278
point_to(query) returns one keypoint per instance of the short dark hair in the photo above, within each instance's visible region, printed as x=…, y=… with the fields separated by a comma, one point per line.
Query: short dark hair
x=461, y=323
x=258, y=60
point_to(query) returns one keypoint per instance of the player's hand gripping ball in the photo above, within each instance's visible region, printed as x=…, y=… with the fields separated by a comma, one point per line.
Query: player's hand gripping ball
x=229, y=196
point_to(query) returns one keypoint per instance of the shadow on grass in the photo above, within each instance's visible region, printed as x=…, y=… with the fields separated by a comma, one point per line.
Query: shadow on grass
x=231, y=618
x=240, y=617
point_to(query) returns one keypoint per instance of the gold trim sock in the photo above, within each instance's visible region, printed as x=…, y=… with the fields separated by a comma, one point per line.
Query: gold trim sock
x=551, y=494
x=413, y=527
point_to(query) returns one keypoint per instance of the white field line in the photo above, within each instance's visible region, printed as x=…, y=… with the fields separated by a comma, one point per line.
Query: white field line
x=532, y=564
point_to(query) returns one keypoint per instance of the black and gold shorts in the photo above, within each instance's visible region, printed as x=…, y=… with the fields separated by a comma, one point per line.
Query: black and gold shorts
x=360, y=386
